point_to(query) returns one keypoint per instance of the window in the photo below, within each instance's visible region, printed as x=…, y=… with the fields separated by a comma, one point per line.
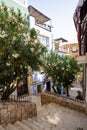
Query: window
x=44, y=40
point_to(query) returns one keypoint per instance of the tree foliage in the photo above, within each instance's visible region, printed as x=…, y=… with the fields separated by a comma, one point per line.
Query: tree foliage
x=62, y=69
x=20, y=48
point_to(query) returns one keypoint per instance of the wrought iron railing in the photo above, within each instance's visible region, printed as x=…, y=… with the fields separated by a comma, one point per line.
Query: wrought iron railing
x=15, y=98
x=66, y=97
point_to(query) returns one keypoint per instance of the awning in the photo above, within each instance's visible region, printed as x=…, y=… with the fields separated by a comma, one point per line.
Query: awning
x=39, y=17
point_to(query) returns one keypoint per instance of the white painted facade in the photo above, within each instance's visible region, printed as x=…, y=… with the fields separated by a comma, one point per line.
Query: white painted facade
x=45, y=36
x=23, y=3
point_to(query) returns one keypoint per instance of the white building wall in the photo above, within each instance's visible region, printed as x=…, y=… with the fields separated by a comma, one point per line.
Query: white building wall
x=62, y=43
x=42, y=32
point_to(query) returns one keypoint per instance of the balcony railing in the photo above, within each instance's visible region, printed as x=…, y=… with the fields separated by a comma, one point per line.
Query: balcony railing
x=45, y=26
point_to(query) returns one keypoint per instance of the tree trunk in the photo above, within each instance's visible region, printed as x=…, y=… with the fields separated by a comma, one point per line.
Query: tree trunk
x=54, y=88
x=7, y=93
x=9, y=90
x=67, y=90
x=48, y=86
x=5, y=96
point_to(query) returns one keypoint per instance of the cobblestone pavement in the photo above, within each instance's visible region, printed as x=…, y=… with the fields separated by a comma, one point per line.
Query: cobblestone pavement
x=63, y=117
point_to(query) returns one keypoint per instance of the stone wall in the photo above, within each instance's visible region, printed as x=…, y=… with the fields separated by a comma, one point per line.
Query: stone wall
x=66, y=102
x=16, y=111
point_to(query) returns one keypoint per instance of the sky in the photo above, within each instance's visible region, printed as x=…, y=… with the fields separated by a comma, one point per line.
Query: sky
x=61, y=13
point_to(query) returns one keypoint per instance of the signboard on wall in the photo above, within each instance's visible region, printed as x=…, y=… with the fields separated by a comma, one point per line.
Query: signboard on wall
x=82, y=59
x=22, y=2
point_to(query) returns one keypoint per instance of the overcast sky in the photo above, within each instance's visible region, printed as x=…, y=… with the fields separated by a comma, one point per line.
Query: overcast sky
x=61, y=13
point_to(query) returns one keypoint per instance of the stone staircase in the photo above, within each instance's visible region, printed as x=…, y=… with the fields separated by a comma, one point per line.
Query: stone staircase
x=50, y=117
x=43, y=121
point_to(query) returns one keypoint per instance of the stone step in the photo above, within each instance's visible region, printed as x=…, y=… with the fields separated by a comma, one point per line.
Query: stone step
x=30, y=125
x=58, y=128
x=44, y=122
x=1, y=128
x=41, y=108
x=35, y=127
x=21, y=126
x=11, y=127
x=39, y=125
x=51, y=123
x=50, y=109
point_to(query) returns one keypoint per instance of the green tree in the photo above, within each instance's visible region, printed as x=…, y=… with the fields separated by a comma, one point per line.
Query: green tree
x=62, y=69
x=20, y=49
